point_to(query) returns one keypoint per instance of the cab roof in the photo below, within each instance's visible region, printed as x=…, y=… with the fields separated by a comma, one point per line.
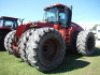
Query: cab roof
x=6, y=17
x=56, y=5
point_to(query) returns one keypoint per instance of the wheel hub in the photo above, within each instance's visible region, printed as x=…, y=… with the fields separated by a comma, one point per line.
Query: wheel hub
x=51, y=49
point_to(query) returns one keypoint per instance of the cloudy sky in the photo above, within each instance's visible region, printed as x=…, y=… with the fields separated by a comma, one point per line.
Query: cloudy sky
x=85, y=12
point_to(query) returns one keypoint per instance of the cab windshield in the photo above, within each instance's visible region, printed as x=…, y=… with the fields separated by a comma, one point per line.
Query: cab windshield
x=10, y=23
x=58, y=15
x=51, y=15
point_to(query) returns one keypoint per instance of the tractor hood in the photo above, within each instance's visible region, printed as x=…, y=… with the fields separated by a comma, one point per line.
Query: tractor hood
x=39, y=25
x=24, y=27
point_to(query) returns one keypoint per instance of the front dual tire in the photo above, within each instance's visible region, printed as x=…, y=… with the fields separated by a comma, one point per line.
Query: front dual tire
x=45, y=49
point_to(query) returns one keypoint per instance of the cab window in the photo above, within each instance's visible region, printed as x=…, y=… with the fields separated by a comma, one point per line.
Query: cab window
x=63, y=17
x=8, y=23
x=11, y=23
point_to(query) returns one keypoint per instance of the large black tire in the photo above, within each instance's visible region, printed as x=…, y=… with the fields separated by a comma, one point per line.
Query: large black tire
x=22, y=43
x=45, y=49
x=85, y=43
x=2, y=36
x=73, y=48
x=8, y=41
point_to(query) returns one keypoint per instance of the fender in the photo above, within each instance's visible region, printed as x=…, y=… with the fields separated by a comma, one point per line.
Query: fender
x=76, y=27
x=17, y=36
x=20, y=30
x=38, y=25
x=68, y=32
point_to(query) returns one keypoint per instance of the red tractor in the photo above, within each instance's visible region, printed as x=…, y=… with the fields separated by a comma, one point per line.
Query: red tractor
x=7, y=24
x=44, y=44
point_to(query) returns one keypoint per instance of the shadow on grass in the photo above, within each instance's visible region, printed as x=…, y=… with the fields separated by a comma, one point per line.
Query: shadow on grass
x=70, y=63
x=2, y=49
x=96, y=53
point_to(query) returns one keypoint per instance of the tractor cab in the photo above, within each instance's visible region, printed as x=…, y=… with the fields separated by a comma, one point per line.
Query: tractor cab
x=58, y=14
x=8, y=22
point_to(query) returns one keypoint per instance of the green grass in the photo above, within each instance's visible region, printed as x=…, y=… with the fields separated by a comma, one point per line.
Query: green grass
x=72, y=65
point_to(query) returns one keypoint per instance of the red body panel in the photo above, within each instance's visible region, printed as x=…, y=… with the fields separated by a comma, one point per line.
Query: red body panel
x=18, y=34
x=20, y=30
x=25, y=27
x=39, y=25
x=66, y=32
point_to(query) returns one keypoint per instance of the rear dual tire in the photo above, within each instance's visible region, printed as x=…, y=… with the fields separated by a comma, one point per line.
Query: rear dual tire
x=85, y=43
x=22, y=43
x=2, y=36
x=8, y=41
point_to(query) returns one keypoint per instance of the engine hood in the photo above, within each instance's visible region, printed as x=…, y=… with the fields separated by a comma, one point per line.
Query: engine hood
x=39, y=25
x=24, y=27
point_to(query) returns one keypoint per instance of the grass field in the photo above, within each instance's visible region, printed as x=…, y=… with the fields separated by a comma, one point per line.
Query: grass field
x=72, y=65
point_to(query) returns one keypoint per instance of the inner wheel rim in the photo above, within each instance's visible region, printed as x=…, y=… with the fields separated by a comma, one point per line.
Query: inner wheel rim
x=90, y=43
x=51, y=50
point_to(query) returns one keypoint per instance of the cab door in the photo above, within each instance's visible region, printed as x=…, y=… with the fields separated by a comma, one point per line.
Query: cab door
x=65, y=24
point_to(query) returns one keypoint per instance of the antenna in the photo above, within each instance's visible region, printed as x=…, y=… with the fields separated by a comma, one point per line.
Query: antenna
x=71, y=7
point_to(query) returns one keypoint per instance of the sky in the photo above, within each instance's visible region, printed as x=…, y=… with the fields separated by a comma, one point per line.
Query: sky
x=85, y=12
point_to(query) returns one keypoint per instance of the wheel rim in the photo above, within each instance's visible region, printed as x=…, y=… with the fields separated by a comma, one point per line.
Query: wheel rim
x=90, y=43
x=51, y=50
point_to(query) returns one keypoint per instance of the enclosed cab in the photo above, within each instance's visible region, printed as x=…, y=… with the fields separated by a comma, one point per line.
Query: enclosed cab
x=7, y=24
